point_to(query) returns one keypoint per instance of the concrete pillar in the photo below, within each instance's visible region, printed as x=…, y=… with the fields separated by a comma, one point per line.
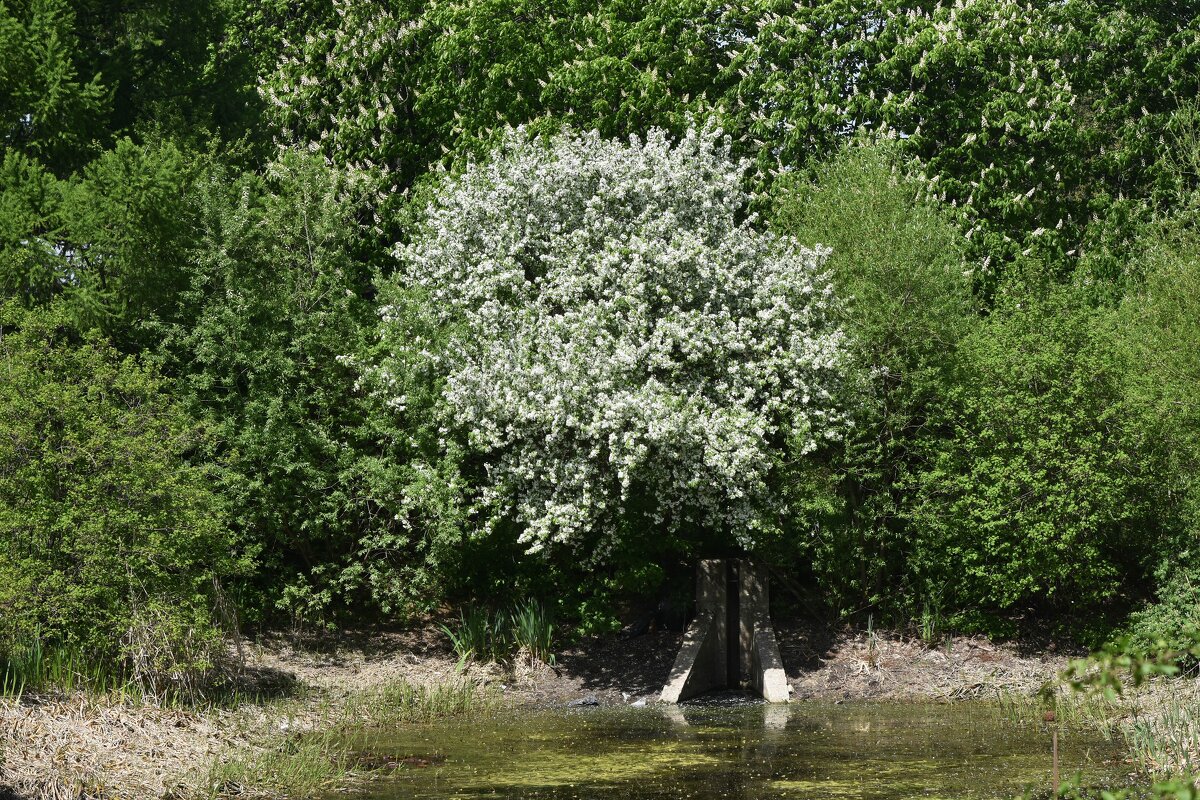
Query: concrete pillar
x=753, y=608
x=702, y=663
x=705, y=662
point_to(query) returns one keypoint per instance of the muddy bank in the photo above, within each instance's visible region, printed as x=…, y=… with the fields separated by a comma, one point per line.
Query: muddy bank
x=821, y=663
x=101, y=747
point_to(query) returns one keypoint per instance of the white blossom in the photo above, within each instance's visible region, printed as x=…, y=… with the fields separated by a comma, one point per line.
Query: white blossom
x=616, y=335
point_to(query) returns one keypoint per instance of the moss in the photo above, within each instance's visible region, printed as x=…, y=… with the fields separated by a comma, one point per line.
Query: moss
x=566, y=768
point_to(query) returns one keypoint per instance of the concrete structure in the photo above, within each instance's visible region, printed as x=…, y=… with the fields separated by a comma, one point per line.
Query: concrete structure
x=730, y=643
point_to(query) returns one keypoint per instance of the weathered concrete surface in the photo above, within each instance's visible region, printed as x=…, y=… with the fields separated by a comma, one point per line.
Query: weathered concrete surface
x=767, y=673
x=701, y=665
x=753, y=609
x=704, y=660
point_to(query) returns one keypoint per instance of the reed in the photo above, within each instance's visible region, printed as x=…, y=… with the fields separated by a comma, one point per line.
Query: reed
x=533, y=631
x=497, y=636
x=403, y=702
x=1164, y=737
x=296, y=766
x=33, y=666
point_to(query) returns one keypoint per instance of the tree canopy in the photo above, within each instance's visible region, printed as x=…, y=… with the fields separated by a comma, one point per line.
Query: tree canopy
x=411, y=304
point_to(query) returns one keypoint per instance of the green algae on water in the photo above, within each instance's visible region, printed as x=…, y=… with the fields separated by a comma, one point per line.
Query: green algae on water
x=869, y=751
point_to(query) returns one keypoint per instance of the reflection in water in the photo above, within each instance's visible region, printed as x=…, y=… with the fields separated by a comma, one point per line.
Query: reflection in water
x=872, y=751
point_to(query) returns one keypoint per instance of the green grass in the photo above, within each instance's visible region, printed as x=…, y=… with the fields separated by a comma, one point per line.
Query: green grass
x=315, y=764
x=1165, y=739
x=35, y=667
x=297, y=766
x=481, y=635
x=403, y=702
x=1071, y=710
x=497, y=636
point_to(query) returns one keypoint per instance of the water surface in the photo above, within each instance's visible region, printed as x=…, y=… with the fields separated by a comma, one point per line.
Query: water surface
x=871, y=751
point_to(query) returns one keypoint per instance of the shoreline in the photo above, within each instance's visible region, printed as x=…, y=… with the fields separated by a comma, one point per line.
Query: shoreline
x=96, y=746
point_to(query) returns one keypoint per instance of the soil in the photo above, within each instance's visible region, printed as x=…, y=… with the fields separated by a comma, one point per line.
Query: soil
x=101, y=747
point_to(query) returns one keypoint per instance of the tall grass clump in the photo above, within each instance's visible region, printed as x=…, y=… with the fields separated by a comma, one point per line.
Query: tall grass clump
x=404, y=702
x=296, y=766
x=479, y=636
x=35, y=666
x=1166, y=740
x=498, y=636
x=533, y=631
x=159, y=661
x=1071, y=710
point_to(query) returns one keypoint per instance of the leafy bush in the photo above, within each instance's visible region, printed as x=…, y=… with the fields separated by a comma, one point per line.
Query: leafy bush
x=1172, y=621
x=318, y=483
x=899, y=265
x=1160, y=323
x=101, y=515
x=1042, y=490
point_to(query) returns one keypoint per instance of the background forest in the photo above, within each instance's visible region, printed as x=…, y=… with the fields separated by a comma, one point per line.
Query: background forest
x=204, y=208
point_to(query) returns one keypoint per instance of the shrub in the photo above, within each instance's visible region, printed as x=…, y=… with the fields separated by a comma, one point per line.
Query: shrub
x=898, y=264
x=1042, y=490
x=101, y=514
x=1160, y=323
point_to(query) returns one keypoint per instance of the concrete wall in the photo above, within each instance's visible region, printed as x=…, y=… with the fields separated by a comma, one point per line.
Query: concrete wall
x=701, y=665
x=703, y=660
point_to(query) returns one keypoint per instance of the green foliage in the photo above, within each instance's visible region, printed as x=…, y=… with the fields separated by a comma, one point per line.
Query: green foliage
x=900, y=263
x=101, y=515
x=1042, y=491
x=1030, y=119
x=277, y=308
x=1160, y=325
x=400, y=86
x=51, y=106
x=79, y=74
x=1011, y=192
x=111, y=241
x=122, y=231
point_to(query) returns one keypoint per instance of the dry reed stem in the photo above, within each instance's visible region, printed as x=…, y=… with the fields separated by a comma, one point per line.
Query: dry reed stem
x=98, y=747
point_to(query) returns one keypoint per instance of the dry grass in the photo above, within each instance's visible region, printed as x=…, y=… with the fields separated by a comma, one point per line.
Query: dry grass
x=89, y=746
x=890, y=666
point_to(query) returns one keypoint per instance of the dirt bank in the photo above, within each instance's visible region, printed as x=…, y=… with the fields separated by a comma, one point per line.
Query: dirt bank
x=101, y=747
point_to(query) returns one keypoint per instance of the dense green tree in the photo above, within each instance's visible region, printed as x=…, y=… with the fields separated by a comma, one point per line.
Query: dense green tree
x=1031, y=119
x=900, y=264
x=400, y=86
x=213, y=185
x=279, y=304
x=104, y=522
x=78, y=74
x=1043, y=490
x=110, y=240
x=51, y=107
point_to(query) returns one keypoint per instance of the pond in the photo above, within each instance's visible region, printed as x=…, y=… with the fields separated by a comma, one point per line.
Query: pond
x=862, y=750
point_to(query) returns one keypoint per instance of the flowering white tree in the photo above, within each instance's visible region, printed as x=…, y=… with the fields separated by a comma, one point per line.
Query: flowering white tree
x=605, y=328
